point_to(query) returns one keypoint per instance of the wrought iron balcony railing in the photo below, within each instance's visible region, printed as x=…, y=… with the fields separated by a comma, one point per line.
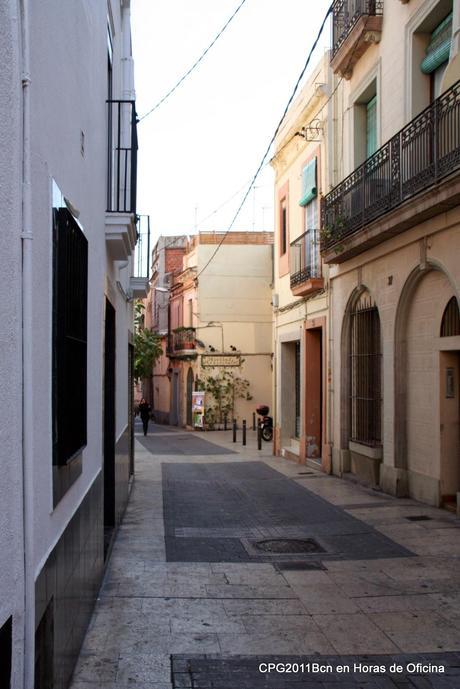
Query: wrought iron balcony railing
x=417, y=157
x=346, y=13
x=305, y=261
x=121, y=156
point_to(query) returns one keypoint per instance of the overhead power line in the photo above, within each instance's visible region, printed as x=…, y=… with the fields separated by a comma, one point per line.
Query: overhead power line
x=278, y=127
x=195, y=64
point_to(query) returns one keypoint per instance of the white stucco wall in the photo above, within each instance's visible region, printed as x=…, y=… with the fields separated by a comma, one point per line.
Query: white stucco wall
x=68, y=93
x=11, y=522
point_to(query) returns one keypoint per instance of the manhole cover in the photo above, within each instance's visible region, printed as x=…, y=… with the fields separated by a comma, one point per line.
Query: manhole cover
x=289, y=545
x=419, y=518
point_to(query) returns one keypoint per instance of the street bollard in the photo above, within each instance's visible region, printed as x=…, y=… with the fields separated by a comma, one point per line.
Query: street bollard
x=244, y=431
x=253, y=421
x=259, y=435
x=234, y=430
x=225, y=422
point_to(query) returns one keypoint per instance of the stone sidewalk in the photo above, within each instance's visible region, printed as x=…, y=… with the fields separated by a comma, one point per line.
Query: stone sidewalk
x=161, y=624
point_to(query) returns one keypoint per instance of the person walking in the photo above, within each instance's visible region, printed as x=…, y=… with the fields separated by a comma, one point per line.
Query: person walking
x=144, y=411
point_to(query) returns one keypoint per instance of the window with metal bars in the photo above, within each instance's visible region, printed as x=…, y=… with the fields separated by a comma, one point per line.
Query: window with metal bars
x=70, y=306
x=365, y=366
x=450, y=324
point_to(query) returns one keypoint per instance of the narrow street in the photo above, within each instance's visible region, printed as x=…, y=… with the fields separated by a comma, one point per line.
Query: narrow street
x=203, y=585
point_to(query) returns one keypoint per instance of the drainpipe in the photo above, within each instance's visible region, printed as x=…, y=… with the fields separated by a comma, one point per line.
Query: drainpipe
x=27, y=360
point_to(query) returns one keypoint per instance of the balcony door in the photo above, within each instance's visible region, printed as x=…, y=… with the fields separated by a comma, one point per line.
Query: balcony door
x=311, y=240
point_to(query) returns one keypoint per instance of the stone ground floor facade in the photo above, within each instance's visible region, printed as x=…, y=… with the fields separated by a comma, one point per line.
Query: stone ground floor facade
x=191, y=598
x=396, y=418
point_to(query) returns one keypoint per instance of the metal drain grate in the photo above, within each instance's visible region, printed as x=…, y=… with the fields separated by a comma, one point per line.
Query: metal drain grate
x=288, y=545
x=419, y=518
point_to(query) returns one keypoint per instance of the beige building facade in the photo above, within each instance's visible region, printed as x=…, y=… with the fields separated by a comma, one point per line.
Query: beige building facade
x=390, y=233
x=221, y=321
x=300, y=289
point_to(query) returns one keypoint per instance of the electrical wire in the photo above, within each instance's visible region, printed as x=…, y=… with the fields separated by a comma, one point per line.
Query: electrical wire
x=195, y=64
x=278, y=127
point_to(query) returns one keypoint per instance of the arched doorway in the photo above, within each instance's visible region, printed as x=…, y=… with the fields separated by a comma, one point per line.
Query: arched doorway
x=190, y=381
x=449, y=365
x=427, y=348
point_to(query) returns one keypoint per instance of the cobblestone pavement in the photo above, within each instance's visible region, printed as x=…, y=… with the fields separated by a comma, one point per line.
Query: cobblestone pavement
x=160, y=624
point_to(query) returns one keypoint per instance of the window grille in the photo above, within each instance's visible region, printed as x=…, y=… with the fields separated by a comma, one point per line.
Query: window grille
x=70, y=297
x=450, y=324
x=366, y=398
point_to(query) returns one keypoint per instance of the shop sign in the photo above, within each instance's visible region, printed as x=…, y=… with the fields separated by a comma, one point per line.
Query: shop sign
x=213, y=360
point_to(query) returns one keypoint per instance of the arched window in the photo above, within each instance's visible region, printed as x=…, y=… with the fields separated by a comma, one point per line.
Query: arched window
x=365, y=368
x=450, y=324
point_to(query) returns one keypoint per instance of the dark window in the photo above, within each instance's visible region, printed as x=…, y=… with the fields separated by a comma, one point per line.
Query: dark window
x=297, y=389
x=283, y=227
x=365, y=362
x=44, y=653
x=6, y=633
x=70, y=297
x=450, y=325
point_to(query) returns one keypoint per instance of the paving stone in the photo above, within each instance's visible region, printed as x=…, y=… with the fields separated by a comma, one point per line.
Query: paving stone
x=216, y=503
x=401, y=603
x=244, y=608
x=325, y=599
x=249, y=608
x=96, y=668
x=173, y=445
x=136, y=668
x=418, y=632
x=354, y=633
x=226, y=672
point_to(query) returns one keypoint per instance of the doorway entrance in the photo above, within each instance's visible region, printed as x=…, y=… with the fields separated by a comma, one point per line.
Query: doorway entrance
x=44, y=650
x=189, y=396
x=297, y=390
x=109, y=425
x=313, y=393
x=174, y=416
x=450, y=428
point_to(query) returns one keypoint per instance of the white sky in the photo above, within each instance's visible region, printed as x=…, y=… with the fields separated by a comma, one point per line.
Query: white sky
x=204, y=144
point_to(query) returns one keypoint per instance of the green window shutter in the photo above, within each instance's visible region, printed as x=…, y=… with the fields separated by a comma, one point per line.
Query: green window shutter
x=309, y=188
x=371, y=127
x=437, y=52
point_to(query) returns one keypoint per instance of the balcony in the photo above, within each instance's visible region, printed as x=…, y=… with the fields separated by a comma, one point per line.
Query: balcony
x=305, y=264
x=411, y=178
x=139, y=281
x=182, y=344
x=356, y=24
x=120, y=224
